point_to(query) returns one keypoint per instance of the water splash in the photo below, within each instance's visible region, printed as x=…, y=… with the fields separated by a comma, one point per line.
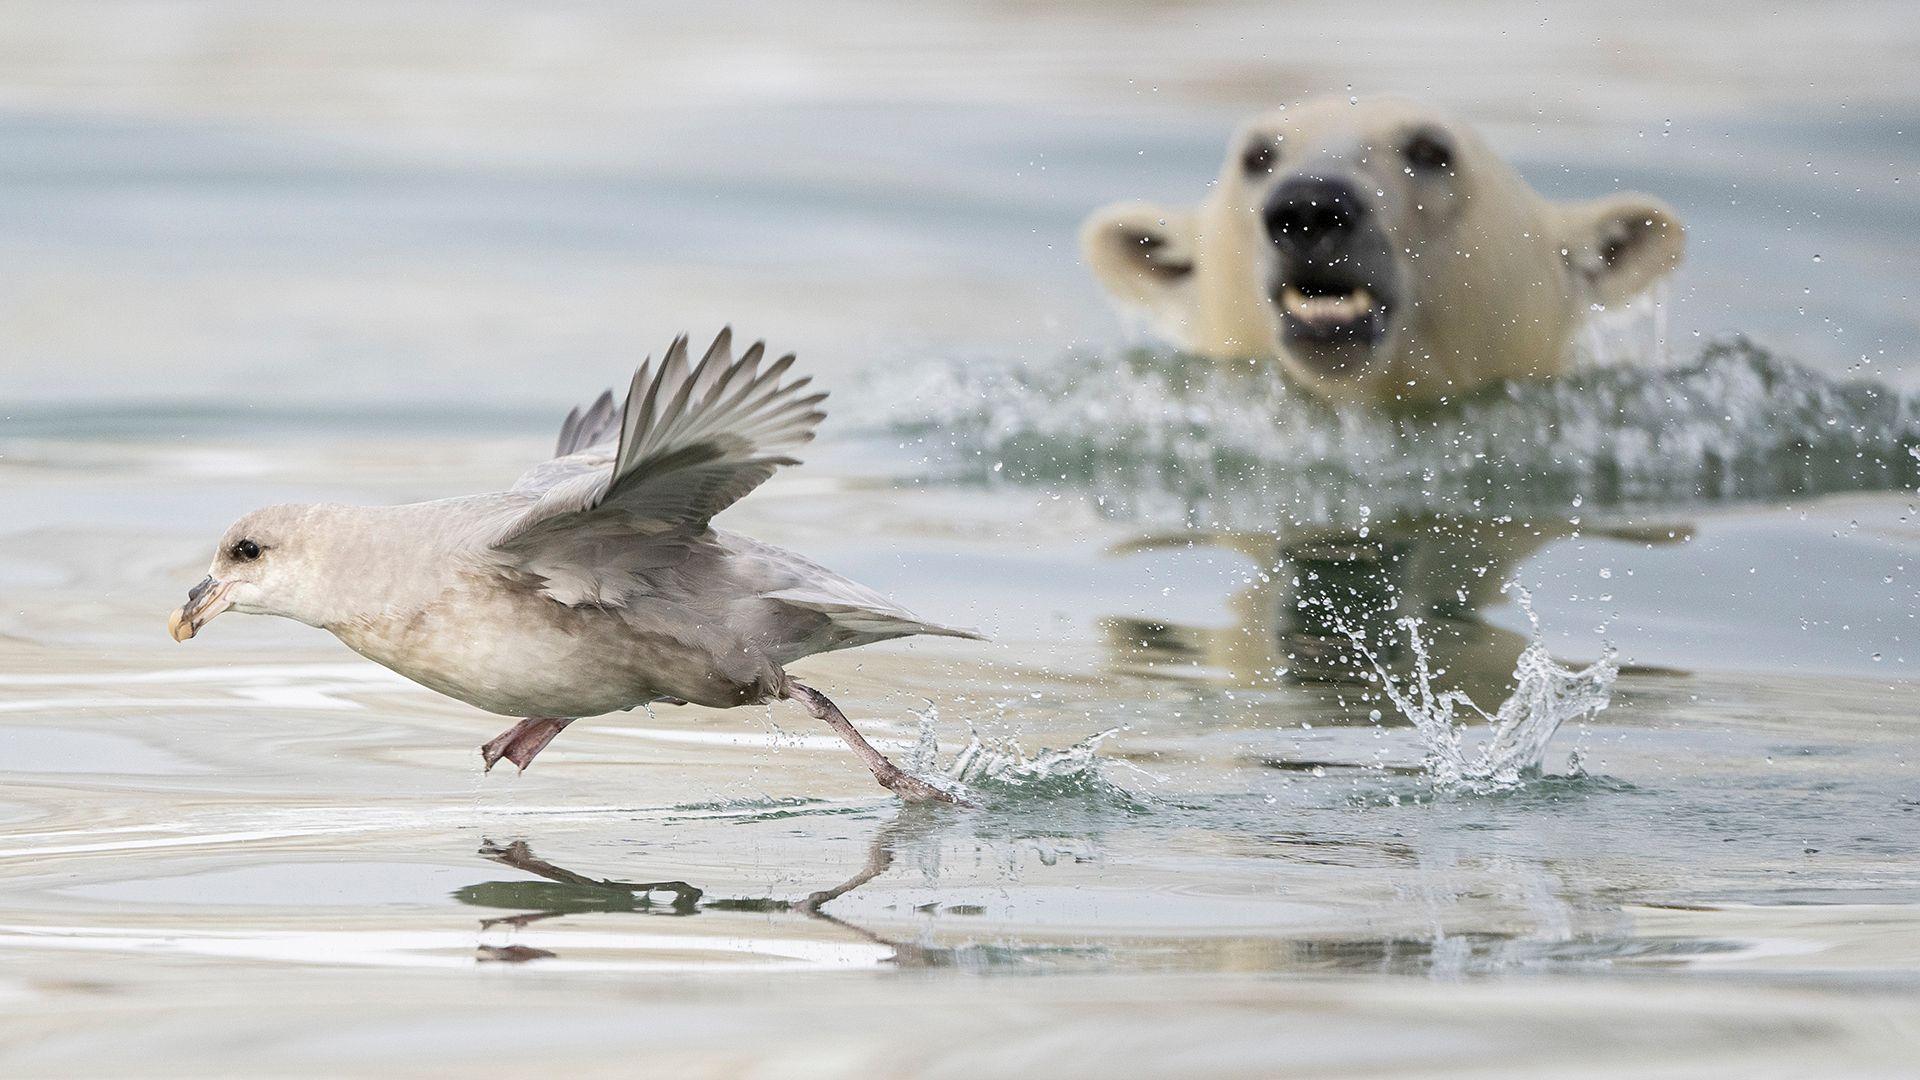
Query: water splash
x=1184, y=439
x=1002, y=763
x=1545, y=696
x=988, y=771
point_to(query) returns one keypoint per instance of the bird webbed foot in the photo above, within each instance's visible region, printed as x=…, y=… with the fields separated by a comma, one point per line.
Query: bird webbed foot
x=522, y=742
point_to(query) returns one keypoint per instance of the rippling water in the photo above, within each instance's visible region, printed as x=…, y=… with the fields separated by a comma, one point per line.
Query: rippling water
x=259, y=830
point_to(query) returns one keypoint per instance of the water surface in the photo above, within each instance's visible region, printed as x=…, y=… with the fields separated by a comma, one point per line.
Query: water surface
x=372, y=252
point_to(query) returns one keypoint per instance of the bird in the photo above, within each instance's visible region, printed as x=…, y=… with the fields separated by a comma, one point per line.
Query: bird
x=596, y=583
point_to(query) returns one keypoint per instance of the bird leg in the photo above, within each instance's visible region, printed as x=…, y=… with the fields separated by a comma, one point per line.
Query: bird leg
x=521, y=742
x=908, y=787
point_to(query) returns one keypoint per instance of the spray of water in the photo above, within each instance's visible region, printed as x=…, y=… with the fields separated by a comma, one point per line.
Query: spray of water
x=1545, y=696
x=988, y=771
x=1152, y=436
x=1005, y=763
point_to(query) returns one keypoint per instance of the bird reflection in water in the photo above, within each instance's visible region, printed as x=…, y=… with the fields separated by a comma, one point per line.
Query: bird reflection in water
x=567, y=892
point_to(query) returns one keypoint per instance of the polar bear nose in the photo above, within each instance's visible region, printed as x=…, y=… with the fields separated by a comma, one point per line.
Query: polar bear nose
x=1309, y=215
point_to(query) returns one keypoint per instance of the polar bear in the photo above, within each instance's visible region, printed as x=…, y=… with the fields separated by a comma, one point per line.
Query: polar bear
x=1380, y=253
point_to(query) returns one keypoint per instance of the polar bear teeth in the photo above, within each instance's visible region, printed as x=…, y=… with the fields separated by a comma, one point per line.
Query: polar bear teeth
x=1326, y=309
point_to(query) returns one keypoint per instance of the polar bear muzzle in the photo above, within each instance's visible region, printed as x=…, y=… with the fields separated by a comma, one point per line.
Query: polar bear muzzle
x=1332, y=279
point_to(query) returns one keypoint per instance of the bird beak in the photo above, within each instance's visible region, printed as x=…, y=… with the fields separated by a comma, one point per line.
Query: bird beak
x=204, y=601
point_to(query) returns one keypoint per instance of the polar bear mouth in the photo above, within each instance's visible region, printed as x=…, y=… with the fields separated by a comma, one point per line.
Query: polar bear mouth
x=1332, y=320
x=1328, y=311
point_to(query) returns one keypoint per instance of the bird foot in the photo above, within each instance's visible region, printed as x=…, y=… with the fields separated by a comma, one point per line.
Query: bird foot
x=908, y=787
x=912, y=789
x=522, y=742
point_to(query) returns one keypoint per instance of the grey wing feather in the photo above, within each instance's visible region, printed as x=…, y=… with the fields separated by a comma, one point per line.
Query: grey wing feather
x=598, y=424
x=692, y=440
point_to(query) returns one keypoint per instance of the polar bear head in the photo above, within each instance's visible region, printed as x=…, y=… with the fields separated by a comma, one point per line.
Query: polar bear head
x=1379, y=252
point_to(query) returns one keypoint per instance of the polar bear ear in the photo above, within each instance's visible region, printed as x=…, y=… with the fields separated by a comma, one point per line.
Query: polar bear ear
x=1144, y=255
x=1620, y=246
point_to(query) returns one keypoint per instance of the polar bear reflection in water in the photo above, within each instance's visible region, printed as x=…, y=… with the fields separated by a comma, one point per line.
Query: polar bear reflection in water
x=1311, y=592
x=1379, y=253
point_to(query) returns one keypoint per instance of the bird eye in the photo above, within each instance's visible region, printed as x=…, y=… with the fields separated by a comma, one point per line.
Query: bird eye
x=1258, y=157
x=1427, y=152
x=246, y=551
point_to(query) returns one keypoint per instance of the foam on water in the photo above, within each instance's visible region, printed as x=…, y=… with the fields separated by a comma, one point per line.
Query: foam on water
x=1181, y=438
x=1545, y=696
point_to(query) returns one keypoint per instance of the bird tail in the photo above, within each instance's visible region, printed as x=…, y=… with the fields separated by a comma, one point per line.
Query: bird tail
x=853, y=624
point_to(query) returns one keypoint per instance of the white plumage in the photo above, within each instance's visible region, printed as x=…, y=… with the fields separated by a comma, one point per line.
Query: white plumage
x=596, y=582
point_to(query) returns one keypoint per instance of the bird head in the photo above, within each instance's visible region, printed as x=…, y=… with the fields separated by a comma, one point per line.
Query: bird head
x=265, y=565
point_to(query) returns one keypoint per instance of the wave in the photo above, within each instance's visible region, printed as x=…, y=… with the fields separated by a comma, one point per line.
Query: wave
x=1179, y=438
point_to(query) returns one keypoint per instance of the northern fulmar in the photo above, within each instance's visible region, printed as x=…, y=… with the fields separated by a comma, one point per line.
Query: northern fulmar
x=594, y=584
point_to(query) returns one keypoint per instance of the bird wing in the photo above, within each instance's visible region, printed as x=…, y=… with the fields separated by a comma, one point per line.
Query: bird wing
x=689, y=441
x=619, y=518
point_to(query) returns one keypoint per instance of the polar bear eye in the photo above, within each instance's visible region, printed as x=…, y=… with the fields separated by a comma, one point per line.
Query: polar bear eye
x=1259, y=157
x=1427, y=152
